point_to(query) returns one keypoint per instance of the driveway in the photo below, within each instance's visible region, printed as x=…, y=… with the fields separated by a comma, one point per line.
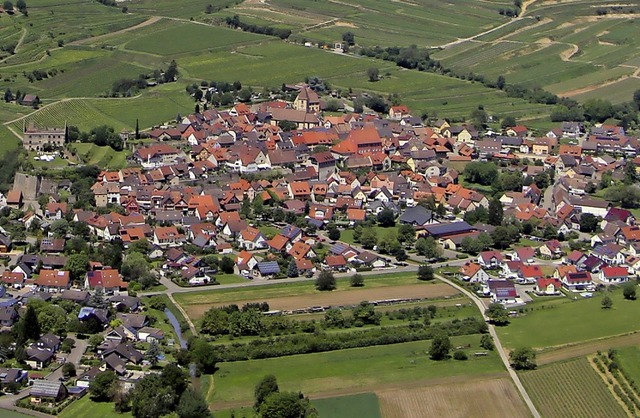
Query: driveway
x=73, y=357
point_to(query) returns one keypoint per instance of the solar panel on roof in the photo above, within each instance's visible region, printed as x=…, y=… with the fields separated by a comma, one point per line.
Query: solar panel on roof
x=339, y=248
x=269, y=267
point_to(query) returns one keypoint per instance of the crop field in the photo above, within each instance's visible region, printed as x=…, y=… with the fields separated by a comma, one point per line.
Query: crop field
x=360, y=405
x=180, y=38
x=347, y=371
x=151, y=108
x=197, y=304
x=569, y=325
x=380, y=22
x=475, y=398
x=570, y=389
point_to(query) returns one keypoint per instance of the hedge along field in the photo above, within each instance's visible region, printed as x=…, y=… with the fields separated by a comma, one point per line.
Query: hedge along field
x=345, y=371
x=179, y=38
x=570, y=389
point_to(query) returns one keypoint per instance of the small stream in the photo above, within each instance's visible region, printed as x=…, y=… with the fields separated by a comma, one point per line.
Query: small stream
x=176, y=327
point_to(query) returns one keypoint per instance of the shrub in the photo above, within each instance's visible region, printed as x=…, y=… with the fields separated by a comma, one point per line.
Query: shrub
x=460, y=355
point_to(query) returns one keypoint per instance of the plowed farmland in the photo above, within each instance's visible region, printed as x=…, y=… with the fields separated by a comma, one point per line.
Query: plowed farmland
x=479, y=398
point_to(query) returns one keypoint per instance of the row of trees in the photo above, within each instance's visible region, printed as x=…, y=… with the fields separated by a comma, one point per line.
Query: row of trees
x=234, y=22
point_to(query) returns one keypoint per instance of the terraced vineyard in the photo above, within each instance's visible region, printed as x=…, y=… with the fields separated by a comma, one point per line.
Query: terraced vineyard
x=570, y=389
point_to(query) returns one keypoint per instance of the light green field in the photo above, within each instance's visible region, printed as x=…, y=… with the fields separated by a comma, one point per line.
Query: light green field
x=567, y=321
x=361, y=405
x=84, y=407
x=5, y=413
x=179, y=38
x=629, y=359
x=570, y=389
x=346, y=370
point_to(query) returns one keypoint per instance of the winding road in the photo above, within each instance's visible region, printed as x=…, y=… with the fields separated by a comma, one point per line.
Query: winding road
x=503, y=354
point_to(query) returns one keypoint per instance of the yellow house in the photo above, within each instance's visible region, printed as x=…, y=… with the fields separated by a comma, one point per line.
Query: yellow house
x=465, y=136
x=440, y=126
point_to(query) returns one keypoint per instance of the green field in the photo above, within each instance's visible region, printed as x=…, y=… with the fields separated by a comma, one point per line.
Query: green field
x=629, y=359
x=84, y=407
x=361, y=405
x=104, y=157
x=5, y=413
x=565, y=321
x=288, y=289
x=178, y=38
x=346, y=370
x=570, y=389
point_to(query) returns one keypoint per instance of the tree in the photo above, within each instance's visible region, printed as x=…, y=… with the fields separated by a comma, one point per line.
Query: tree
x=264, y=388
x=135, y=267
x=137, y=129
x=440, y=347
x=77, y=265
x=588, y=222
x=7, y=5
x=151, y=355
x=406, y=234
x=292, y=271
x=429, y=248
x=508, y=121
x=425, y=272
x=629, y=291
x=630, y=173
x=227, y=264
x=373, y=74
x=636, y=98
x=203, y=355
x=349, y=38
x=334, y=318
x=357, y=280
x=368, y=238
x=497, y=313
x=215, y=322
x=68, y=370
x=607, y=302
x=333, y=232
x=59, y=228
x=479, y=117
x=365, y=314
x=386, y=218
x=192, y=405
x=286, y=405
x=486, y=342
x=28, y=328
x=460, y=355
x=8, y=96
x=326, y=281
x=500, y=83
x=287, y=125
x=103, y=386
x=150, y=399
x=495, y=212
x=523, y=358
x=172, y=72
x=95, y=341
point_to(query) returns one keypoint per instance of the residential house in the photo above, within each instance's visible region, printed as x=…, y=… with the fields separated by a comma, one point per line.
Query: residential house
x=47, y=392
x=578, y=281
x=551, y=249
x=609, y=253
x=8, y=316
x=251, y=239
x=614, y=275
x=417, y=216
x=168, y=236
x=547, y=286
x=474, y=273
x=502, y=291
x=53, y=280
x=490, y=259
x=109, y=280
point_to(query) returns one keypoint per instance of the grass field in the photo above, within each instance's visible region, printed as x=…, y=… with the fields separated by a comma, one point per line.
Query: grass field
x=104, y=157
x=303, y=294
x=344, y=371
x=570, y=389
x=85, y=408
x=5, y=413
x=360, y=405
x=474, y=398
x=629, y=359
x=565, y=321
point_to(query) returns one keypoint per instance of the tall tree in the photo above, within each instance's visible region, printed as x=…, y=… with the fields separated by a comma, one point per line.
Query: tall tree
x=286, y=405
x=102, y=387
x=192, y=405
x=31, y=323
x=495, y=212
x=292, y=271
x=152, y=353
x=326, y=281
x=137, y=129
x=264, y=388
x=440, y=347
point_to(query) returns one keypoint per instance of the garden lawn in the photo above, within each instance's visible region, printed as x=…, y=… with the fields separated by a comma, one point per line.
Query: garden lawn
x=348, y=370
x=571, y=321
x=347, y=234
x=86, y=408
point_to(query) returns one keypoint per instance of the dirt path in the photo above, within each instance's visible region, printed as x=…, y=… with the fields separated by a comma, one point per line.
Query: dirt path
x=588, y=347
x=588, y=89
x=150, y=21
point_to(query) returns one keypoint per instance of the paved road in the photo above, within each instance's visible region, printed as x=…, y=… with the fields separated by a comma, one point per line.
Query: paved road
x=73, y=357
x=503, y=354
